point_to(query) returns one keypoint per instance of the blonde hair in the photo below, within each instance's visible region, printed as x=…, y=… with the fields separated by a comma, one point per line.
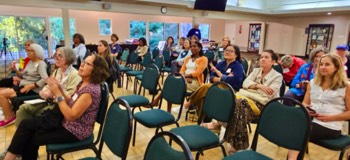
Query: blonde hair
x=338, y=79
x=107, y=52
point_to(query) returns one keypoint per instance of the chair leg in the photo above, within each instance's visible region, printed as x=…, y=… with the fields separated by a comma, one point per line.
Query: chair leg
x=342, y=154
x=249, y=128
x=197, y=155
x=127, y=81
x=134, y=137
x=223, y=150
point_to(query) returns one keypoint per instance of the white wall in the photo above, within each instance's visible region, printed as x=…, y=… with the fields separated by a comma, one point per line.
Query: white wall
x=288, y=36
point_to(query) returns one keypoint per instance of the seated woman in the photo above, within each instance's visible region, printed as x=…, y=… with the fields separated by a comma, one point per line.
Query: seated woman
x=342, y=51
x=78, y=113
x=290, y=65
x=262, y=85
x=229, y=71
x=192, y=70
x=32, y=80
x=219, y=54
x=328, y=94
x=116, y=50
x=104, y=51
x=304, y=75
x=142, y=49
x=179, y=46
x=14, y=81
x=65, y=74
x=183, y=54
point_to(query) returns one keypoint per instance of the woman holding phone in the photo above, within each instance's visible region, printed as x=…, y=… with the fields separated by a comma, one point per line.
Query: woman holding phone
x=328, y=100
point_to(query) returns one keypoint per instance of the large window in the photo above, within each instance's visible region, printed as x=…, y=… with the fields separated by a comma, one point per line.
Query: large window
x=204, y=28
x=171, y=29
x=185, y=28
x=56, y=30
x=159, y=31
x=156, y=33
x=18, y=29
x=137, y=29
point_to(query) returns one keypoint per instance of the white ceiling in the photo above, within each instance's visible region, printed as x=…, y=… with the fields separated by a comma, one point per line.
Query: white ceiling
x=271, y=7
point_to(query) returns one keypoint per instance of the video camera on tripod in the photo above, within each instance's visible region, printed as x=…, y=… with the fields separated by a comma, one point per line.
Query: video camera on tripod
x=5, y=41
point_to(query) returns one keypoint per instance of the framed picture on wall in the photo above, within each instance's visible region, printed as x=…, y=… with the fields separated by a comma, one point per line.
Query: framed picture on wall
x=105, y=27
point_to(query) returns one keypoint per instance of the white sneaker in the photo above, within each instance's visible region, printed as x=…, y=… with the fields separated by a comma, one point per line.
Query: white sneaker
x=177, y=109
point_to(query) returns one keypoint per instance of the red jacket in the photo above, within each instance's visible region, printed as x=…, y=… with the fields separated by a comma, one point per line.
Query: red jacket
x=289, y=75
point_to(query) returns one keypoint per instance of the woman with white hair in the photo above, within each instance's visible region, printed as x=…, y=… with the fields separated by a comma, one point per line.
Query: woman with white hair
x=290, y=65
x=32, y=80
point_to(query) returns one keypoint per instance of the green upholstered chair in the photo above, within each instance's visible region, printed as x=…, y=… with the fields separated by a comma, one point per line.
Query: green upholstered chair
x=117, y=130
x=245, y=65
x=133, y=62
x=288, y=127
x=174, y=91
x=88, y=143
x=150, y=77
x=146, y=62
x=124, y=56
x=210, y=55
x=159, y=149
x=219, y=104
x=155, y=52
x=339, y=144
x=278, y=68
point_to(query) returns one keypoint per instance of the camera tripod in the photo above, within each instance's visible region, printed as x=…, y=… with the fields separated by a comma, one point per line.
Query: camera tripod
x=4, y=51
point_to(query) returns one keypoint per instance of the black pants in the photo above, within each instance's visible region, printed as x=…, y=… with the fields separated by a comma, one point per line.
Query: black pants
x=319, y=132
x=34, y=132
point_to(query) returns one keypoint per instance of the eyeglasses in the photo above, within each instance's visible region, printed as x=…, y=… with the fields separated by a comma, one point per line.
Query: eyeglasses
x=30, y=50
x=230, y=51
x=58, y=56
x=89, y=64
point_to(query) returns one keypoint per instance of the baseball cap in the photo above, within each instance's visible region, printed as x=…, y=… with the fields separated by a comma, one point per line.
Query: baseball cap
x=342, y=46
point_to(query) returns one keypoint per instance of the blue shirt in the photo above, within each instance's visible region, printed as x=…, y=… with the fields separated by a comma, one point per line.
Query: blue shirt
x=235, y=68
x=195, y=32
x=115, y=48
x=299, y=77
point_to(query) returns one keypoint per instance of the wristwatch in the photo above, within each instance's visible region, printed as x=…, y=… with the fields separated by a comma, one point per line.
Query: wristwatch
x=59, y=99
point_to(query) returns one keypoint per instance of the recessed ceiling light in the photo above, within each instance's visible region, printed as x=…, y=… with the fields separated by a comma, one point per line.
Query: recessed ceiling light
x=329, y=13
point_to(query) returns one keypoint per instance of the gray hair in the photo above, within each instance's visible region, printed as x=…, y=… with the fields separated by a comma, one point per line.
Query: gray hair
x=315, y=51
x=68, y=54
x=287, y=60
x=39, y=51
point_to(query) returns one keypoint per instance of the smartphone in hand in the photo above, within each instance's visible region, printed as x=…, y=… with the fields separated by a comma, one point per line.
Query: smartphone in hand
x=311, y=110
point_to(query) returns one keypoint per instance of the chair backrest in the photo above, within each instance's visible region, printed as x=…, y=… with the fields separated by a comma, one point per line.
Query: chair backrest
x=150, y=77
x=285, y=126
x=283, y=88
x=166, y=55
x=155, y=52
x=210, y=55
x=147, y=60
x=125, y=54
x=133, y=58
x=278, y=68
x=159, y=62
x=245, y=65
x=158, y=147
x=174, y=89
x=219, y=102
x=118, y=128
x=101, y=114
x=104, y=103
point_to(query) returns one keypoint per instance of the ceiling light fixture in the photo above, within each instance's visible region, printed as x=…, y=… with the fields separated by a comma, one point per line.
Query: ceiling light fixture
x=329, y=13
